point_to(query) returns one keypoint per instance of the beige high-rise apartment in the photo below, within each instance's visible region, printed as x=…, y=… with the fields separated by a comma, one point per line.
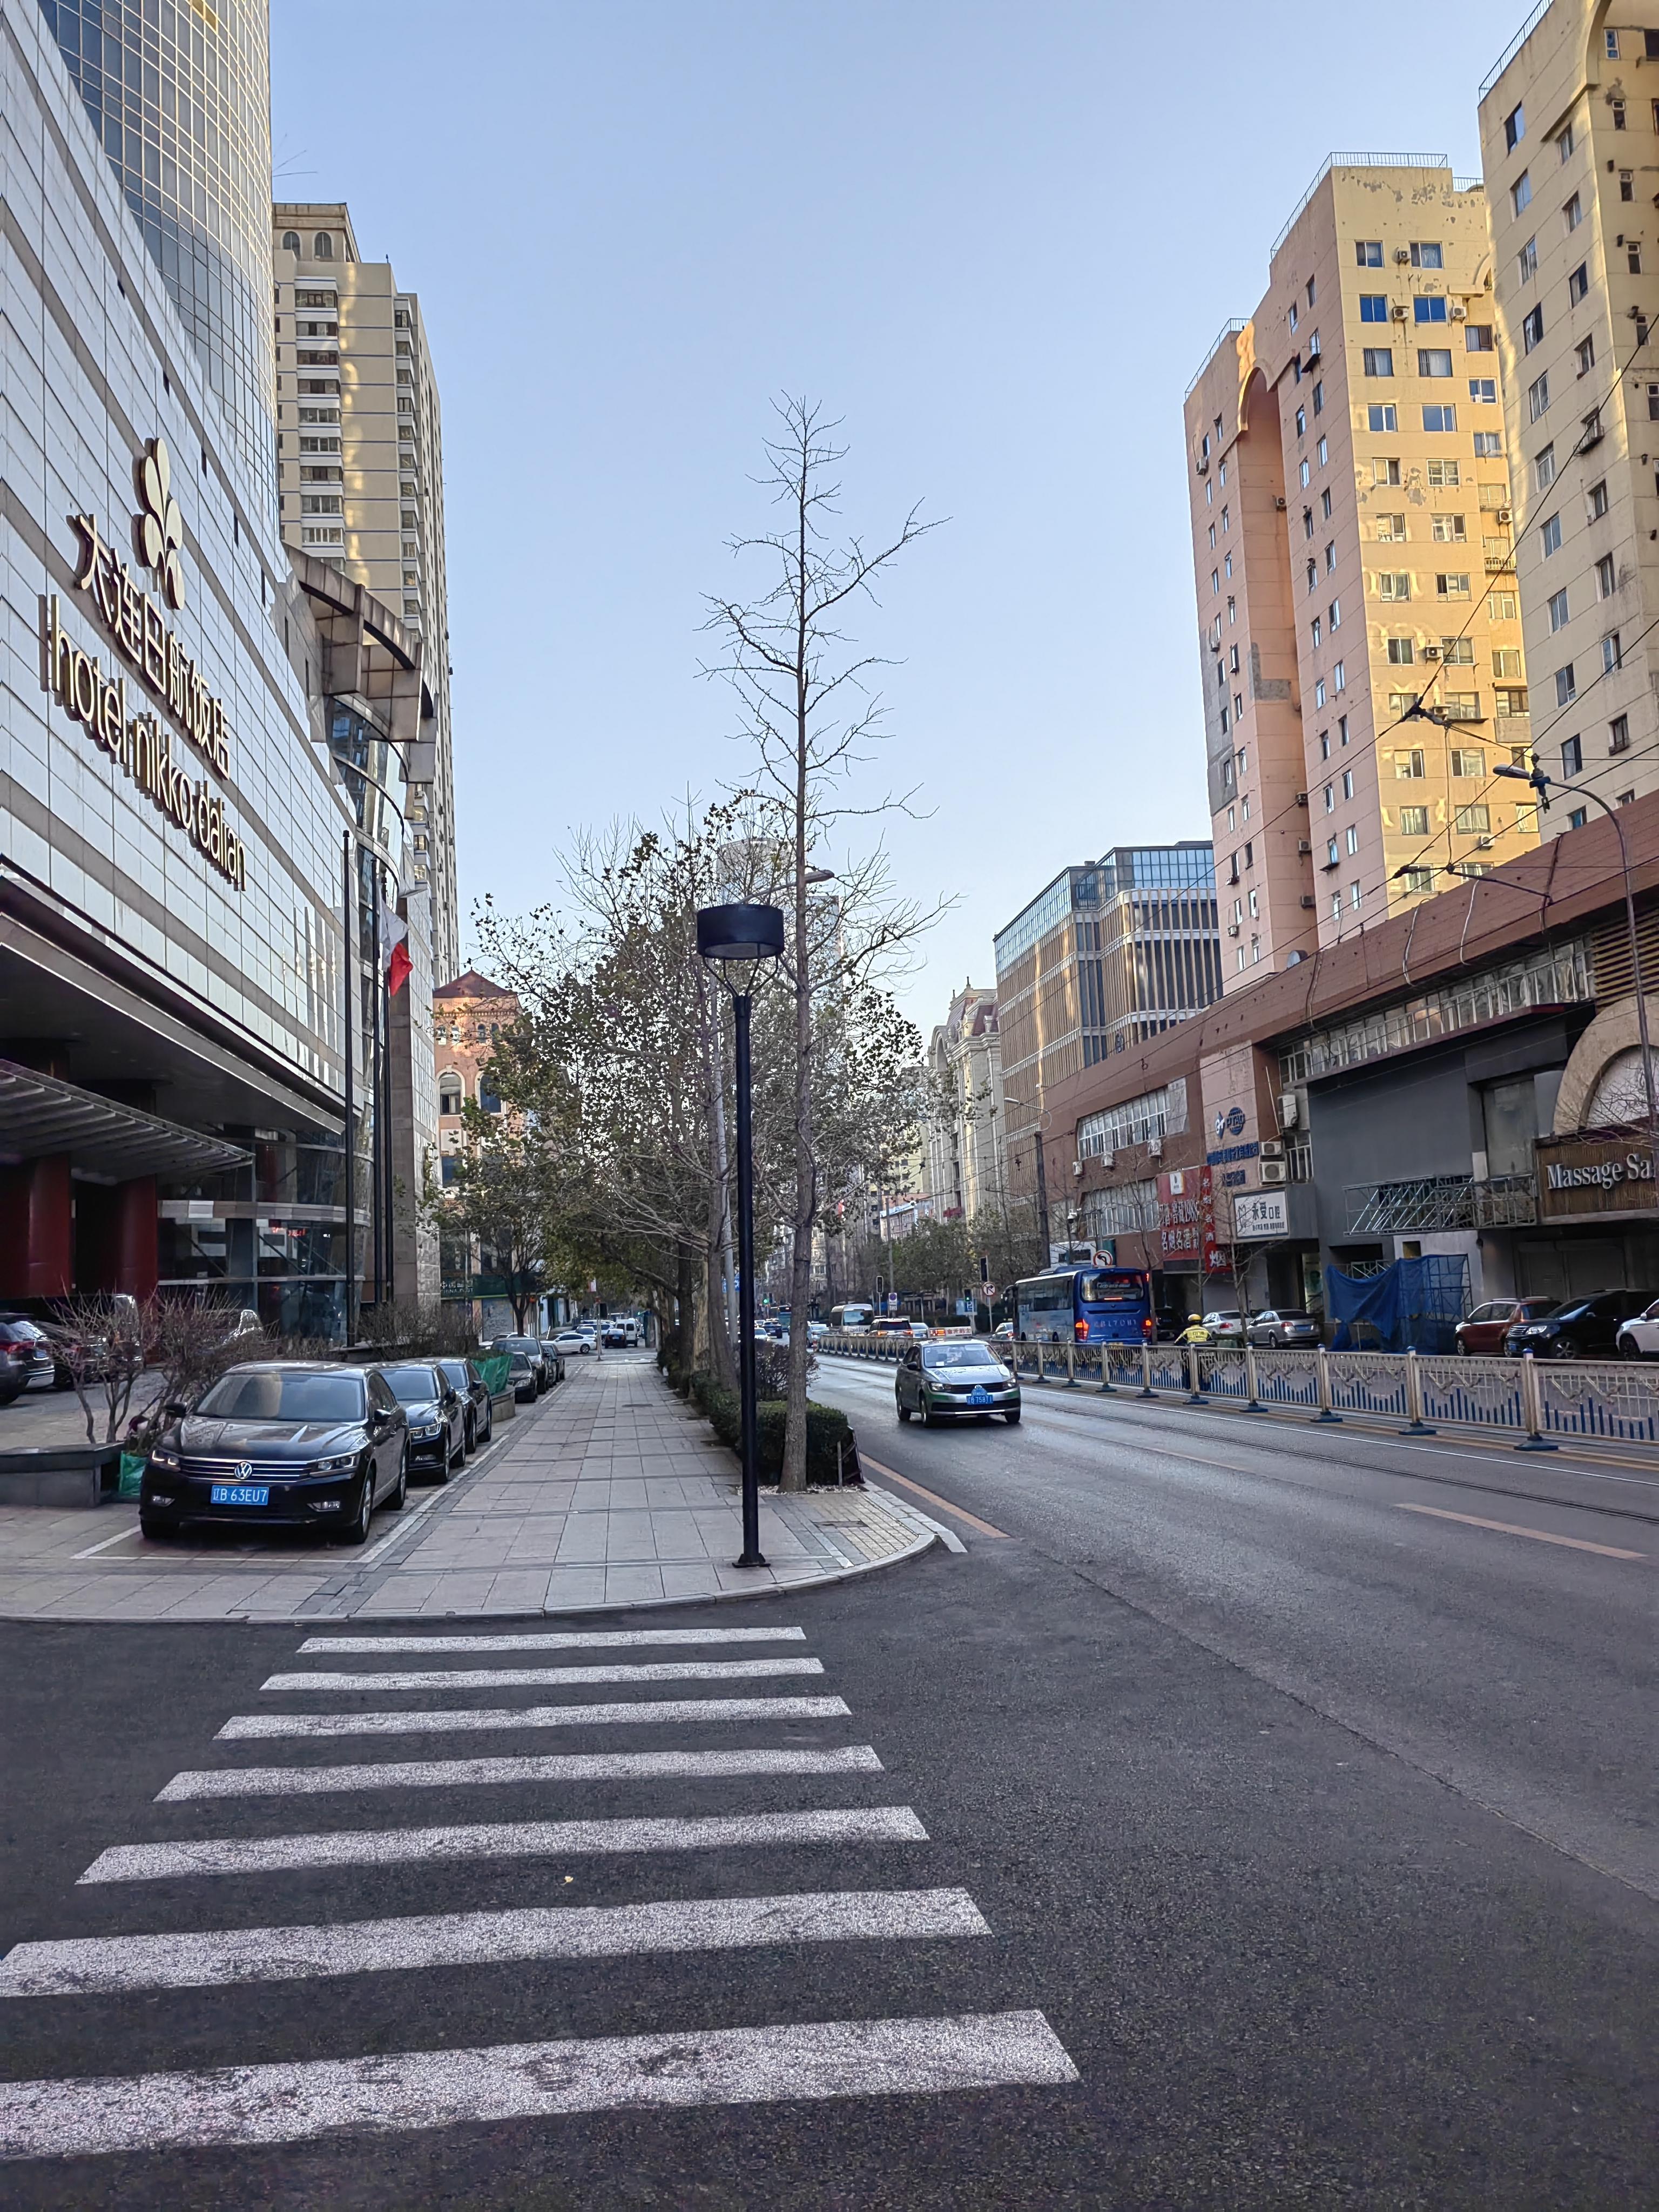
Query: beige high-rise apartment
x=1570, y=142
x=963, y=1170
x=1362, y=651
x=360, y=463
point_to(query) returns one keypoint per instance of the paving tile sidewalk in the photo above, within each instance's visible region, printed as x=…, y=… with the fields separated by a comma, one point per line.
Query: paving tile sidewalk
x=609, y=1493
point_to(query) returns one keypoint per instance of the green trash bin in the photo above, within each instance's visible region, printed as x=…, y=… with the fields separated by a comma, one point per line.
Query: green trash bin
x=132, y=1473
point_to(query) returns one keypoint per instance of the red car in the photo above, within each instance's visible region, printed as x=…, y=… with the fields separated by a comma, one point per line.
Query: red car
x=1488, y=1325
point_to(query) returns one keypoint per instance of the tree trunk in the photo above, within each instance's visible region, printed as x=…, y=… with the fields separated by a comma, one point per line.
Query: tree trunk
x=793, y=1474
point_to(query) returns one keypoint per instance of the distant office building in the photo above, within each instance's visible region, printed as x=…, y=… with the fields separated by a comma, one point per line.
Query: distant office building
x=1570, y=143
x=964, y=1167
x=1358, y=616
x=180, y=100
x=1108, y=954
x=360, y=455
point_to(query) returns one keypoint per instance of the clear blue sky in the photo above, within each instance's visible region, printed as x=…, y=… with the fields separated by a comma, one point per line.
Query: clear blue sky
x=984, y=234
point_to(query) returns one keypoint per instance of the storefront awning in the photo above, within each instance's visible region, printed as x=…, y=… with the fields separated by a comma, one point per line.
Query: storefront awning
x=41, y=1114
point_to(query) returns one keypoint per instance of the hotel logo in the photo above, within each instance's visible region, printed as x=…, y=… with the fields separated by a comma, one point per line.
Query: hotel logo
x=158, y=529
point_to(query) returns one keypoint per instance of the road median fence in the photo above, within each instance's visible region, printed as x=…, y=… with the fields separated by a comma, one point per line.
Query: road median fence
x=1538, y=1404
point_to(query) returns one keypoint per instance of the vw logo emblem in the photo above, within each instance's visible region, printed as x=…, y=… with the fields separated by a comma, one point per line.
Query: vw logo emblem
x=245, y=1470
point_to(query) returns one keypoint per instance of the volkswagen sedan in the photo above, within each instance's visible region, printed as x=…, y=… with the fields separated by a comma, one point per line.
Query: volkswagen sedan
x=954, y=1381
x=280, y=1443
x=462, y=1374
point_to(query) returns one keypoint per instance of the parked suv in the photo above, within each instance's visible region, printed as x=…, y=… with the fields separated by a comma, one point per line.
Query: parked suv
x=1638, y=1337
x=1586, y=1328
x=1488, y=1327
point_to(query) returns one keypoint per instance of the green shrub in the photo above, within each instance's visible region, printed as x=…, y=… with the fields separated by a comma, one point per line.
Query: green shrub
x=826, y=1427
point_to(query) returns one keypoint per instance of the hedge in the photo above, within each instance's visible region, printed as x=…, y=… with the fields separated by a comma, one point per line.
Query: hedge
x=827, y=1426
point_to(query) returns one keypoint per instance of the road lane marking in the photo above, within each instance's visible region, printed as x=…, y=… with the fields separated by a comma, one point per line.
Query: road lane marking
x=239, y=2105
x=108, y=1544
x=425, y=1722
x=550, y=1678
x=1508, y=1529
x=223, y=1855
x=86, y=1965
x=933, y=1499
x=575, y=1639
x=554, y=1766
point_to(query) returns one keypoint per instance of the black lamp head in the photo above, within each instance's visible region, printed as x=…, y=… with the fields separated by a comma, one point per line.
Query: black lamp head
x=741, y=932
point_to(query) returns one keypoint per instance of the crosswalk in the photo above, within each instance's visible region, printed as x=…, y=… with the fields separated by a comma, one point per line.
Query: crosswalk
x=378, y=2091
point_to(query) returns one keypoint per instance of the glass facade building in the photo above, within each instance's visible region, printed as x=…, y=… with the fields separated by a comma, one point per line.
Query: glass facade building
x=179, y=95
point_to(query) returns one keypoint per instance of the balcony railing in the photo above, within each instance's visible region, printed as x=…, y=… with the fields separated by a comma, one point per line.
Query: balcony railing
x=1385, y=1209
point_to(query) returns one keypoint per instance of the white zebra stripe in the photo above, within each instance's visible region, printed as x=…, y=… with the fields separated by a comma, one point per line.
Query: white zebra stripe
x=572, y=1640
x=100, y=1963
x=550, y=1678
x=876, y=1824
x=241, y=1726
x=556, y=1766
x=297, y=2102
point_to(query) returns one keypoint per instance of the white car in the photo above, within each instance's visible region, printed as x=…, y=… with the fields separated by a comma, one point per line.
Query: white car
x=1638, y=1337
x=572, y=1342
x=1226, y=1326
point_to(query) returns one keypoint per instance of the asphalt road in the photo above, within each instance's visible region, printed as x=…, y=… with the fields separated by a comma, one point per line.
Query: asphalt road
x=1074, y=1834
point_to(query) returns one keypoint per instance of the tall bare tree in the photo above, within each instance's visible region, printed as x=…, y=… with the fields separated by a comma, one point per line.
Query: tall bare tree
x=808, y=706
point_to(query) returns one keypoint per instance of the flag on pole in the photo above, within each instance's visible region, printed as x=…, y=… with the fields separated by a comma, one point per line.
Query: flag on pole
x=395, y=963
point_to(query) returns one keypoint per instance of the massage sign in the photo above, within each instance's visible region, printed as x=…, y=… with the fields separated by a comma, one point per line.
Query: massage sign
x=142, y=742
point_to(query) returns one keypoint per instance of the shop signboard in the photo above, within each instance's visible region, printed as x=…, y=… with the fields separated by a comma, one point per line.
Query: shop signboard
x=1581, y=1177
x=1260, y=1214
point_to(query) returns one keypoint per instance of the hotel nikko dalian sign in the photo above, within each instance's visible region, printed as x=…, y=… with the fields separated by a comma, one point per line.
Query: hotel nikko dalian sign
x=136, y=626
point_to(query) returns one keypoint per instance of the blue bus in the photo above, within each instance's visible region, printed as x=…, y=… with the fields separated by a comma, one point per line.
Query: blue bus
x=1086, y=1305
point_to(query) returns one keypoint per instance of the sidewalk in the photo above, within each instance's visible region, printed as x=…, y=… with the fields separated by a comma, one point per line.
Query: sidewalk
x=609, y=1493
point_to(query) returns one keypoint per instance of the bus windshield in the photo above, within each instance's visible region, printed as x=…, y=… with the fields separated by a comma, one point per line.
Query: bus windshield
x=1112, y=1290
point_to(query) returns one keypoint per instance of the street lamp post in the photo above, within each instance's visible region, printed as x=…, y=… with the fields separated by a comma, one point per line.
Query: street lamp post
x=734, y=939
x=1543, y=785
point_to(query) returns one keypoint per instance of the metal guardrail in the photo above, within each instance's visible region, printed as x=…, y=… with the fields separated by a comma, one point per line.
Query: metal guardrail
x=1537, y=1402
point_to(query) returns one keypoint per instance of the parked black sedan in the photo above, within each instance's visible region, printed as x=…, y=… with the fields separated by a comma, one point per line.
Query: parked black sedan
x=463, y=1375
x=437, y=1417
x=536, y=1353
x=282, y=1443
x=1584, y=1328
x=521, y=1379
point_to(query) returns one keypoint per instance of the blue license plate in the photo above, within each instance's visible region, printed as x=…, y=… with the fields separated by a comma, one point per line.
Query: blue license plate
x=239, y=1493
x=979, y=1395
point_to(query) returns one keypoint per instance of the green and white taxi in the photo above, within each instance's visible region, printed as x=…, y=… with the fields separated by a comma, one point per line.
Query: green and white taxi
x=955, y=1381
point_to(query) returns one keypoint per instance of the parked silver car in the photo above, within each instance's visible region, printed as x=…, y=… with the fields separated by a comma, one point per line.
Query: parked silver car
x=1276, y=1328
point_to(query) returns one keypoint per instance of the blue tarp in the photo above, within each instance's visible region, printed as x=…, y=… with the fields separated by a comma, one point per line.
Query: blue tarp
x=1414, y=1305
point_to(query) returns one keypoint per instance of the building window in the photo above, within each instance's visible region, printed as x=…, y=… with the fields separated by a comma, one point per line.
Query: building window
x=1306, y=475
x=1426, y=254
x=1585, y=354
x=1612, y=656
x=1573, y=214
x=1619, y=734
x=1468, y=761
x=1572, y=755
x=1565, y=143
x=1483, y=390
x=1342, y=728
x=290, y=241
x=1558, y=610
x=1488, y=445
x=1316, y=630
x=1627, y=184
x=1473, y=821
x=1549, y=534
x=1457, y=652
x=1319, y=692
x=1387, y=471
x=1452, y=586
x=1391, y=529
x=1440, y=419
x=1605, y=580
x=1444, y=476
x=1338, y=678
x=1394, y=586
x=1409, y=766
x=1301, y=422
x=1598, y=500
x=1577, y=818
x=1578, y=283
x=1325, y=503
x=1414, y=821
x=1526, y=261
x=1330, y=798
x=1477, y=338
x=1532, y=329
x=1373, y=308
x=1520, y=192
x=1319, y=398
x=1429, y=308
x=1566, y=686
x=1514, y=128
x=450, y=1094
x=1543, y=468
x=1448, y=529
x=1403, y=651
x=1378, y=360
x=322, y=247
x=1434, y=360
x=1368, y=252
x=1323, y=450
x=1353, y=839
x=1348, y=783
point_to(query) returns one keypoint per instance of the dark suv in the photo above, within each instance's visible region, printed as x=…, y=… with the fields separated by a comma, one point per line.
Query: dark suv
x=1584, y=1328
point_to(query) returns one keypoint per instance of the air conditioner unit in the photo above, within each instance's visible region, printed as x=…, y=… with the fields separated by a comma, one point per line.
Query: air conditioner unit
x=1233, y=929
x=1109, y=1159
x=1308, y=901
x=1279, y=504
x=1398, y=312
x=1271, y=1149
x=1076, y=1167
x=1302, y=799
x=1302, y=845
x=1274, y=1171
x=1290, y=1107
x=1431, y=653
x=1483, y=844
x=1402, y=254
x=1154, y=1148
x=1459, y=312
x=1503, y=513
